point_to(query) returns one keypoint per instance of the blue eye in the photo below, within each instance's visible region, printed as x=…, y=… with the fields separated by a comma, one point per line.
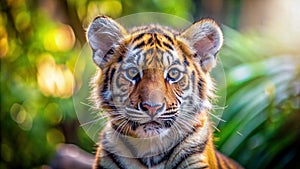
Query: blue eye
x=132, y=73
x=174, y=75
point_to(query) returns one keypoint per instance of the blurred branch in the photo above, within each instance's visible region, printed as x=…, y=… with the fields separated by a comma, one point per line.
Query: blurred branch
x=65, y=12
x=70, y=156
x=75, y=21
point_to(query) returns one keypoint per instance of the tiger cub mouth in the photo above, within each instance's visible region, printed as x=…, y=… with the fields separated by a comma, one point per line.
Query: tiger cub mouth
x=151, y=125
x=151, y=128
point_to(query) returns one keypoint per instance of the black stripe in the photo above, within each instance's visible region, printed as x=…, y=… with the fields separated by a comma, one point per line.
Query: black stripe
x=112, y=156
x=170, y=54
x=204, y=167
x=185, y=61
x=172, y=57
x=150, y=40
x=193, y=81
x=178, y=100
x=138, y=37
x=186, y=156
x=200, y=83
x=112, y=73
x=107, y=55
x=193, y=77
x=115, y=127
x=139, y=45
x=133, y=124
x=109, y=52
x=168, y=113
x=169, y=38
x=120, y=59
x=196, y=162
x=105, y=82
x=163, y=157
x=115, y=159
x=105, y=88
x=99, y=166
x=168, y=46
x=193, y=150
x=158, y=42
x=180, y=141
x=168, y=154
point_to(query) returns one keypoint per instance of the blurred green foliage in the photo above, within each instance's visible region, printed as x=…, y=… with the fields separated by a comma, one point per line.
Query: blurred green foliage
x=39, y=45
x=263, y=98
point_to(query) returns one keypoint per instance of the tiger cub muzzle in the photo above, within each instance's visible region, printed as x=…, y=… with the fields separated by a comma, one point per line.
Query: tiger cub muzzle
x=151, y=110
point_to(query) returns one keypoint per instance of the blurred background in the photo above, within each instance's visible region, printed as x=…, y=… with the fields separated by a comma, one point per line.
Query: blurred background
x=41, y=40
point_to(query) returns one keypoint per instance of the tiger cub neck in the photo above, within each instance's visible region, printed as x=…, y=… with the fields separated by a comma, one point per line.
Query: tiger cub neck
x=167, y=145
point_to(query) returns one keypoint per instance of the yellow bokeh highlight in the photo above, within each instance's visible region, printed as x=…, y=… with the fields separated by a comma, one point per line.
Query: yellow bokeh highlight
x=6, y=152
x=61, y=39
x=55, y=136
x=19, y=114
x=54, y=79
x=3, y=42
x=53, y=113
x=22, y=21
x=112, y=8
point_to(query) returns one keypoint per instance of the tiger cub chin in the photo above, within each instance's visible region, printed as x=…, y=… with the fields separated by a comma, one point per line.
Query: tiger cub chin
x=153, y=83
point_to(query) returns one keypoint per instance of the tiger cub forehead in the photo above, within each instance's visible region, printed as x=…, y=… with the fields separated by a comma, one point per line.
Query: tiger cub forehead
x=199, y=43
x=153, y=46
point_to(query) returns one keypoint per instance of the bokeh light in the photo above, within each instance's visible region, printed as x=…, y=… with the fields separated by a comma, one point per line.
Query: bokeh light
x=111, y=8
x=61, y=39
x=3, y=41
x=55, y=137
x=54, y=79
x=21, y=116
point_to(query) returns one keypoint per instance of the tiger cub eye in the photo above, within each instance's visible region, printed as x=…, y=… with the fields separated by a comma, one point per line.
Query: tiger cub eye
x=132, y=73
x=174, y=74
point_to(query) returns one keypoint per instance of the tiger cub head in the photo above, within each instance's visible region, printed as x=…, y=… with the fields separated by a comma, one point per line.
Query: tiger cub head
x=153, y=80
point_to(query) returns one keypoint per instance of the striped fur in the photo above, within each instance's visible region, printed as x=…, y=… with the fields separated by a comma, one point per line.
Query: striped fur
x=154, y=86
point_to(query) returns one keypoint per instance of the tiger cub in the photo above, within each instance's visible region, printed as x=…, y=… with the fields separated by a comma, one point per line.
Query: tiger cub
x=153, y=83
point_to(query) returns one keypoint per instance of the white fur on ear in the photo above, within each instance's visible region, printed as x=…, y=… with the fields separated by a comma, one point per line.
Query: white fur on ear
x=206, y=38
x=102, y=34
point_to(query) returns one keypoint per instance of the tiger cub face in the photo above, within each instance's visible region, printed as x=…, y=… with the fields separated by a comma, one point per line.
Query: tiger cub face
x=153, y=81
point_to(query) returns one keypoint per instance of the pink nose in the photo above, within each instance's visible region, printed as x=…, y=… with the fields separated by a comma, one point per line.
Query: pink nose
x=151, y=109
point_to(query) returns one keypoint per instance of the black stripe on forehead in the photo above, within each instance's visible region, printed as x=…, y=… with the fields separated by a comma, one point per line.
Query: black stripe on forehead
x=139, y=45
x=140, y=36
x=168, y=46
x=169, y=38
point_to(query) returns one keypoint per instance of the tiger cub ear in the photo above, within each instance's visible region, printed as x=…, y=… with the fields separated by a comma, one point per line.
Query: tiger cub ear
x=102, y=34
x=206, y=38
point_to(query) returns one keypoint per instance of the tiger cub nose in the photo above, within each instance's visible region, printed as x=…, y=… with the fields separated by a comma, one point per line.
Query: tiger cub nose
x=151, y=108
